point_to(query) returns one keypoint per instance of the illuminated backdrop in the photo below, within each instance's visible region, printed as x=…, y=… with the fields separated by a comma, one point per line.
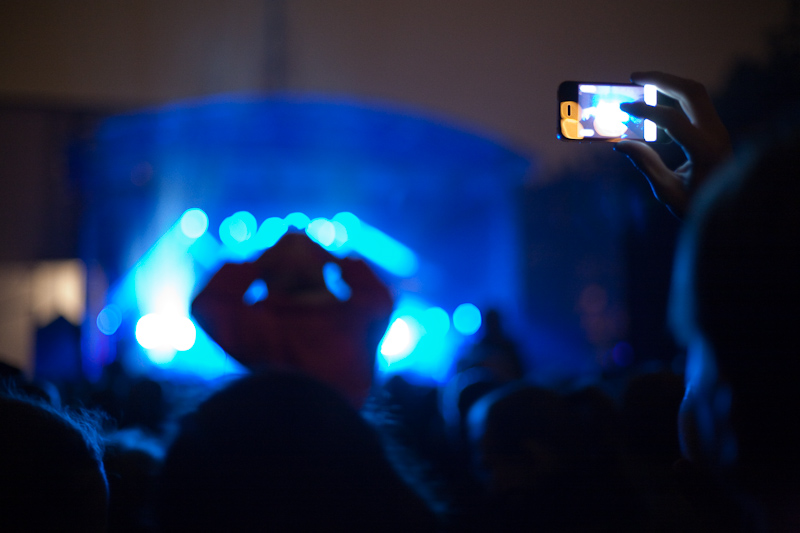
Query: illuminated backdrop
x=174, y=192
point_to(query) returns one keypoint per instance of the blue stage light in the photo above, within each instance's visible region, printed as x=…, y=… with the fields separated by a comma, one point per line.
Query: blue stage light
x=333, y=280
x=161, y=355
x=467, y=319
x=206, y=252
x=322, y=231
x=243, y=226
x=400, y=340
x=256, y=292
x=383, y=250
x=194, y=223
x=416, y=342
x=350, y=222
x=163, y=334
x=109, y=319
x=150, y=331
x=237, y=233
x=182, y=334
x=436, y=321
x=225, y=233
x=298, y=220
x=340, y=234
x=270, y=232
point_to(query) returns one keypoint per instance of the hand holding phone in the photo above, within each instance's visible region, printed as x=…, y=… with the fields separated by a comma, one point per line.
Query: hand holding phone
x=695, y=126
x=592, y=112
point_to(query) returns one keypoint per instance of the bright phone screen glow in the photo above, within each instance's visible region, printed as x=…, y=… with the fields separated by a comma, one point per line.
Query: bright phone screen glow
x=601, y=117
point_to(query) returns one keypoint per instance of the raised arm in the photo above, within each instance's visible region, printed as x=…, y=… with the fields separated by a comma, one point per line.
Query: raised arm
x=696, y=127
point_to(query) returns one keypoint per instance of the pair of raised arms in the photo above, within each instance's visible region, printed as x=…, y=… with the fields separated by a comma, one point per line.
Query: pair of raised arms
x=632, y=115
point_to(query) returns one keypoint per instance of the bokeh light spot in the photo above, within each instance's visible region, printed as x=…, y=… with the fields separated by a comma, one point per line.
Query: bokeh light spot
x=467, y=319
x=256, y=292
x=322, y=231
x=164, y=333
x=270, y=232
x=436, y=321
x=298, y=220
x=243, y=226
x=333, y=280
x=340, y=234
x=400, y=340
x=350, y=222
x=182, y=333
x=150, y=332
x=109, y=319
x=161, y=355
x=238, y=229
x=194, y=223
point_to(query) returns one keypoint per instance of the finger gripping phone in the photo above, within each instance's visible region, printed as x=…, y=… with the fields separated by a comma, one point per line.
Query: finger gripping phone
x=590, y=112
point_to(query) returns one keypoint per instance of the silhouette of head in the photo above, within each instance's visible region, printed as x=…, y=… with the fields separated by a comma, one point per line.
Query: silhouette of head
x=736, y=295
x=51, y=470
x=280, y=451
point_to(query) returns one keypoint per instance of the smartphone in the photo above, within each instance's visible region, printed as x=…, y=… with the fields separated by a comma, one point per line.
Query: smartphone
x=589, y=112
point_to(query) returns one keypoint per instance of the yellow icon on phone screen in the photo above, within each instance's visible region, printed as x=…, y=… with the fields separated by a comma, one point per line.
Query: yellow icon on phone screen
x=570, y=116
x=570, y=109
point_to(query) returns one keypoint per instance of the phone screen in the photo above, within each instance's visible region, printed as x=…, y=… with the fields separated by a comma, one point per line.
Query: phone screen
x=595, y=114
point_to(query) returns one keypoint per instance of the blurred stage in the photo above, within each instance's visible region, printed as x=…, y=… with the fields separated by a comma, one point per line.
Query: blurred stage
x=174, y=192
